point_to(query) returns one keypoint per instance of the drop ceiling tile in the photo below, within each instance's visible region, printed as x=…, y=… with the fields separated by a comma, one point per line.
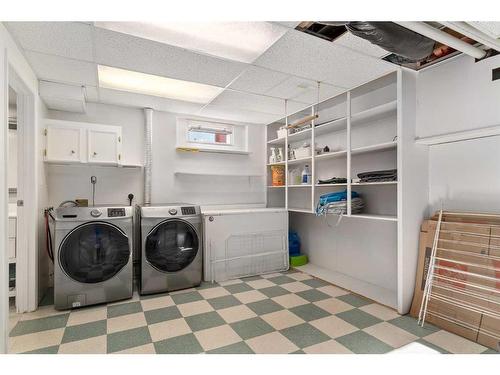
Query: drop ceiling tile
x=491, y=28
x=258, y=80
x=123, y=98
x=293, y=87
x=303, y=55
x=67, y=39
x=239, y=115
x=254, y=102
x=361, y=45
x=61, y=69
x=146, y=56
x=326, y=91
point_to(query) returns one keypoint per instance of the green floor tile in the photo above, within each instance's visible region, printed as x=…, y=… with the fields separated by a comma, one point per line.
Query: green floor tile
x=238, y=288
x=490, y=351
x=410, y=324
x=359, y=318
x=313, y=295
x=128, y=339
x=299, y=352
x=360, y=342
x=162, y=315
x=253, y=327
x=186, y=344
x=354, y=300
x=204, y=321
x=309, y=312
x=281, y=280
x=84, y=331
x=304, y=335
x=124, y=309
x=274, y=291
x=48, y=350
x=223, y=302
x=238, y=348
x=265, y=306
x=315, y=283
x=179, y=299
x=37, y=325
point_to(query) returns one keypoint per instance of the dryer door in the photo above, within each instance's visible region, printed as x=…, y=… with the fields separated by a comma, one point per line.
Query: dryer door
x=94, y=252
x=172, y=245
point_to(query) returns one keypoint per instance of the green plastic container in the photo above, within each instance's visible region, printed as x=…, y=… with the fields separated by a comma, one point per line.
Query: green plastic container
x=298, y=260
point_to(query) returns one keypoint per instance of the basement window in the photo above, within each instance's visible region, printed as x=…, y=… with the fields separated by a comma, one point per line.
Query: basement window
x=208, y=133
x=211, y=136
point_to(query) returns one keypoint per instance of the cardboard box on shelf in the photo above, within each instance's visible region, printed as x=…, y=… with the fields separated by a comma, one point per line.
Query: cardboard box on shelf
x=467, y=277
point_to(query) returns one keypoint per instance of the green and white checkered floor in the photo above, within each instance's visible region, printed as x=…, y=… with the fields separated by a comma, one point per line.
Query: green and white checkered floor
x=289, y=312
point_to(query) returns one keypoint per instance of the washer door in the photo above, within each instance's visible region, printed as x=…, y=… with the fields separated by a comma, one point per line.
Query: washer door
x=171, y=245
x=94, y=252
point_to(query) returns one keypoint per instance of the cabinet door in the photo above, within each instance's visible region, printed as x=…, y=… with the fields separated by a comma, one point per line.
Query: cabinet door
x=104, y=146
x=64, y=143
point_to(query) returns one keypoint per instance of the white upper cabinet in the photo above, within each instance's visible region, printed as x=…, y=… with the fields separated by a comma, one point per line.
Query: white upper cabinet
x=76, y=142
x=104, y=146
x=64, y=143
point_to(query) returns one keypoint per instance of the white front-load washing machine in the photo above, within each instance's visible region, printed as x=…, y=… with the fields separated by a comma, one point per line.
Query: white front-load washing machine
x=92, y=255
x=171, y=247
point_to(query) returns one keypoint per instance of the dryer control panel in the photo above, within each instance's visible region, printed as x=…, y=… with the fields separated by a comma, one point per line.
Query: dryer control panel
x=116, y=212
x=188, y=210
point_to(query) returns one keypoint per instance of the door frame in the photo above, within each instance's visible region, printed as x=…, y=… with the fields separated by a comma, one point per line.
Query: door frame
x=27, y=191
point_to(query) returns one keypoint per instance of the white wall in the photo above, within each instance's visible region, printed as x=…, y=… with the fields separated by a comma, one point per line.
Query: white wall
x=114, y=184
x=459, y=95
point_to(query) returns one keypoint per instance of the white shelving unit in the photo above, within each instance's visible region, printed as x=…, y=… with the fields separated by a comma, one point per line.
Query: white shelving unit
x=367, y=128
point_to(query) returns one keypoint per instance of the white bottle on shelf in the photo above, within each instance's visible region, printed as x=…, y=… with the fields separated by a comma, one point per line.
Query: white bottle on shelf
x=306, y=175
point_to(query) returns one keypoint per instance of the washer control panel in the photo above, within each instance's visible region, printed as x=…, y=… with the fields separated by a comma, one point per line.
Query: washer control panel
x=188, y=210
x=95, y=213
x=116, y=212
x=172, y=211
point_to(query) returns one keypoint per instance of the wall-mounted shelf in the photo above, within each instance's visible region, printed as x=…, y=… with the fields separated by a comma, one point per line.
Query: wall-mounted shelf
x=372, y=125
x=278, y=163
x=210, y=150
x=374, y=148
x=489, y=131
x=245, y=175
x=276, y=187
x=375, y=113
x=299, y=161
x=12, y=292
x=276, y=141
x=93, y=165
x=300, y=186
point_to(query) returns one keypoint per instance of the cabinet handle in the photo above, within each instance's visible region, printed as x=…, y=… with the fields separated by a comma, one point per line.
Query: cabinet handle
x=95, y=153
x=72, y=151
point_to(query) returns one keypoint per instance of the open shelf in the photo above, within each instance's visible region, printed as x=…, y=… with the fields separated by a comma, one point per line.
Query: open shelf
x=330, y=126
x=300, y=135
x=374, y=148
x=375, y=113
x=331, y=155
x=181, y=173
x=299, y=186
x=374, y=217
x=12, y=260
x=374, y=183
x=275, y=187
x=299, y=161
x=12, y=292
x=278, y=163
x=301, y=210
x=276, y=141
x=327, y=185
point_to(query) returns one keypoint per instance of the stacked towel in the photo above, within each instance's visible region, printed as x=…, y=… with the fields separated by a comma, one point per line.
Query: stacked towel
x=379, y=176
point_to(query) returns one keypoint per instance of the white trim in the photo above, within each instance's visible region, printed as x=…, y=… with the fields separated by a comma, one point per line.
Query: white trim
x=27, y=218
x=4, y=263
x=489, y=131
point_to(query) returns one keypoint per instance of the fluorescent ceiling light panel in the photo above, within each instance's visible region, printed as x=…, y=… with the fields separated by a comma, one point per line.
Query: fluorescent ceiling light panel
x=148, y=84
x=240, y=41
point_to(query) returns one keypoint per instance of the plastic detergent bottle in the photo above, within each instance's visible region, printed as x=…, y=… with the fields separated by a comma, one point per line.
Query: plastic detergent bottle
x=306, y=175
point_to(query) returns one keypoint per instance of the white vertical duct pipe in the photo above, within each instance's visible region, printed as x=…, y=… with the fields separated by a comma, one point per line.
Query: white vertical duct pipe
x=148, y=153
x=445, y=38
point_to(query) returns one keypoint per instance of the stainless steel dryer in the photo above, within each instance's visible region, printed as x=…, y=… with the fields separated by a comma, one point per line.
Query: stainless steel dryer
x=93, y=255
x=171, y=242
